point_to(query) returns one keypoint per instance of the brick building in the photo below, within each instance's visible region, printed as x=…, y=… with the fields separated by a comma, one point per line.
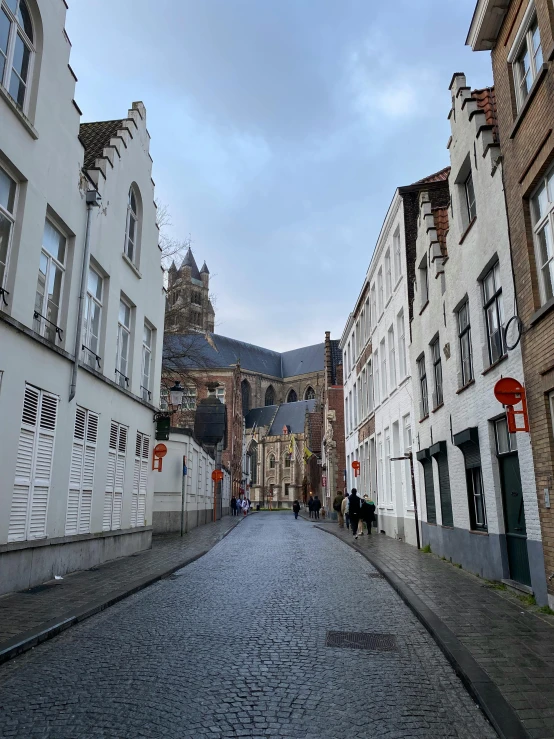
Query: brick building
x=520, y=35
x=333, y=455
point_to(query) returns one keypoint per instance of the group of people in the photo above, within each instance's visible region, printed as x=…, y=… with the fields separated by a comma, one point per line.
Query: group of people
x=354, y=512
x=240, y=506
x=314, y=506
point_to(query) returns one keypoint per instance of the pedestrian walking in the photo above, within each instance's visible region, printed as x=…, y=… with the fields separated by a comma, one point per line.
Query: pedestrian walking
x=354, y=505
x=233, y=506
x=245, y=507
x=296, y=508
x=344, y=511
x=311, y=506
x=337, y=506
x=368, y=512
x=317, y=506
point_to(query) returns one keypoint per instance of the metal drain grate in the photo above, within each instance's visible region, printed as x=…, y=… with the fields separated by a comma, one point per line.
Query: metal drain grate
x=361, y=640
x=375, y=576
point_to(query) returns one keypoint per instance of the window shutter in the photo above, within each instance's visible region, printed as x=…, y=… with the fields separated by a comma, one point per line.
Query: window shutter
x=110, y=478
x=140, y=479
x=81, y=476
x=89, y=463
x=33, y=466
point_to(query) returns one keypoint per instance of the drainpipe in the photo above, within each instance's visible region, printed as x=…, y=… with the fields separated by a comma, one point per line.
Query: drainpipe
x=93, y=200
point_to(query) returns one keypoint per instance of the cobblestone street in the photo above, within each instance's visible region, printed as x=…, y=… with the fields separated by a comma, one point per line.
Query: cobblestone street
x=234, y=645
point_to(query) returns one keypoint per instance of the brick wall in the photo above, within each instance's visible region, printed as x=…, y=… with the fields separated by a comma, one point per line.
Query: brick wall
x=528, y=153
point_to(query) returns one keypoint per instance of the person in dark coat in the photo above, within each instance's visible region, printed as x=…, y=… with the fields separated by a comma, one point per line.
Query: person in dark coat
x=317, y=507
x=233, y=506
x=311, y=506
x=368, y=512
x=296, y=508
x=354, y=509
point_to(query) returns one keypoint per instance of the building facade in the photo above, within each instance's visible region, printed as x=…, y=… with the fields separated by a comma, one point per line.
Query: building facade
x=188, y=306
x=80, y=329
x=333, y=456
x=479, y=504
x=520, y=36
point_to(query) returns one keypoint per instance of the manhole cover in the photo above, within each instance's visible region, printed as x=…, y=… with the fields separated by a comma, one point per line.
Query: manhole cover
x=361, y=640
x=375, y=576
x=39, y=588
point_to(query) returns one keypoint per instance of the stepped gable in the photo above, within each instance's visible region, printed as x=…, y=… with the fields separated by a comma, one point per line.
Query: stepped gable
x=442, y=224
x=190, y=261
x=95, y=137
x=486, y=101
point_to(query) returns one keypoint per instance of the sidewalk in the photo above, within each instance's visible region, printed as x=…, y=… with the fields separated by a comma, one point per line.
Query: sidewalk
x=29, y=617
x=502, y=649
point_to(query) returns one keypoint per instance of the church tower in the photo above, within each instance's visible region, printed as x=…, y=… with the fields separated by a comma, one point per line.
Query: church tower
x=188, y=306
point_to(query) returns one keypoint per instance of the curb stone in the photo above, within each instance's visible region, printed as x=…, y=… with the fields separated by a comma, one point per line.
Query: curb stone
x=479, y=685
x=28, y=640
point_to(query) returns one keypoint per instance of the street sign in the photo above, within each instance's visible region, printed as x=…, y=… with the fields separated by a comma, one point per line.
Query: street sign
x=217, y=475
x=160, y=450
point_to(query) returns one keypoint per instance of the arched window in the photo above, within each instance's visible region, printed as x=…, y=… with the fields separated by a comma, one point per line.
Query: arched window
x=292, y=397
x=288, y=458
x=132, y=227
x=245, y=392
x=271, y=461
x=270, y=396
x=16, y=50
x=309, y=394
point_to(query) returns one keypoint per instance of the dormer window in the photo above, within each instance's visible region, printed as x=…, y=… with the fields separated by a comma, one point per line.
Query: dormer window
x=16, y=50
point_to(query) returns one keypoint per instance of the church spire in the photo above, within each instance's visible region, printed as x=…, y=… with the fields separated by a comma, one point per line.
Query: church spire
x=189, y=261
x=205, y=269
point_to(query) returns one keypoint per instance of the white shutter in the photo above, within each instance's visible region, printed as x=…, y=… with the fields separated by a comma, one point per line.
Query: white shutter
x=119, y=476
x=81, y=474
x=110, y=479
x=140, y=479
x=89, y=463
x=33, y=466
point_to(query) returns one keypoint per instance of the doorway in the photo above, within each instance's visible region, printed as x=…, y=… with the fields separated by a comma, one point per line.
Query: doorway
x=512, y=500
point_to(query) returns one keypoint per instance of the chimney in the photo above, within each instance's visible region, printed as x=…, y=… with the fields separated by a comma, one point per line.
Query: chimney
x=328, y=360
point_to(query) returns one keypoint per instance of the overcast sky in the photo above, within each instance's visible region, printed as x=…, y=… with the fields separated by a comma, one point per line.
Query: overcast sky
x=280, y=130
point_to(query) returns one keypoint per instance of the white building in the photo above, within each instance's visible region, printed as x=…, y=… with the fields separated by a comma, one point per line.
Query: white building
x=76, y=486
x=478, y=484
x=378, y=412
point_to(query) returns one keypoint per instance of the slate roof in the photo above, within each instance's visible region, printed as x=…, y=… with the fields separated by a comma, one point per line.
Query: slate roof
x=440, y=176
x=95, y=137
x=204, y=269
x=190, y=261
x=257, y=417
x=193, y=351
x=292, y=415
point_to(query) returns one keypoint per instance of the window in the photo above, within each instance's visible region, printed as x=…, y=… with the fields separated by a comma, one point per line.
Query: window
x=388, y=275
x=131, y=229
x=81, y=473
x=505, y=441
x=363, y=394
x=380, y=466
x=494, y=314
x=220, y=394
x=271, y=462
x=470, y=198
x=146, y=362
x=351, y=411
x=195, y=298
x=16, y=50
x=270, y=396
x=292, y=397
x=376, y=379
x=423, y=401
x=478, y=516
x=309, y=394
x=543, y=227
x=407, y=428
x=287, y=489
x=370, y=386
x=387, y=472
x=402, y=364
x=527, y=59
x=123, y=341
x=397, y=255
x=189, y=398
x=374, y=315
x=140, y=480
x=383, y=353
x=380, y=291
x=355, y=403
x=8, y=192
x=424, y=283
x=288, y=458
x=49, y=284
x=245, y=396
x=91, y=320
x=349, y=357
x=464, y=339
x=346, y=412
x=115, y=477
x=392, y=359
x=437, y=373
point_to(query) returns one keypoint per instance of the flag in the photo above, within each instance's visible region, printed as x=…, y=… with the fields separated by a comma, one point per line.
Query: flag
x=307, y=453
x=291, y=445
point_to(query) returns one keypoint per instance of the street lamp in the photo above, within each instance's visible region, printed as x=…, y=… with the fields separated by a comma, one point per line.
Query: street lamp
x=176, y=395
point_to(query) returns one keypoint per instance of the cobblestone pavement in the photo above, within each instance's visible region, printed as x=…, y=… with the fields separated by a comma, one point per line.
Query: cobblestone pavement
x=22, y=612
x=234, y=646
x=513, y=644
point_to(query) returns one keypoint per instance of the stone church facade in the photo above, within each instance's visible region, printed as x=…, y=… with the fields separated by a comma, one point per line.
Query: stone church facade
x=188, y=307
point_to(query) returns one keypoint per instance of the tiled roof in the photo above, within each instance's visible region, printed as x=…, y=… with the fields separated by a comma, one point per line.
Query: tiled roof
x=441, y=176
x=95, y=137
x=486, y=100
x=441, y=224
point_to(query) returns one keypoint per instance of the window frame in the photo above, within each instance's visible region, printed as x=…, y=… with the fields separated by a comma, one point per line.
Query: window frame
x=544, y=224
x=438, y=395
x=423, y=388
x=388, y=276
x=471, y=474
x=522, y=46
x=90, y=299
x=464, y=335
x=402, y=355
x=424, y=282
x=380, y=295
x=469, y=198
x=494, y=300
x=122, y=378
x=147, y=351
x=132, y=214
x=11, y=219
x=392, y=358
x=15, y=30
x=397, y=249
x=384, y=377
x=42, y=325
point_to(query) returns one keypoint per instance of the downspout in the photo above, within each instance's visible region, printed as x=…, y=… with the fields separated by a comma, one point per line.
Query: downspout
x=93, y=200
